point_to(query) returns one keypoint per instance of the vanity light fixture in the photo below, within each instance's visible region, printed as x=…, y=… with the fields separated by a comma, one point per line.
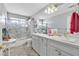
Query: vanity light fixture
x=51, y=9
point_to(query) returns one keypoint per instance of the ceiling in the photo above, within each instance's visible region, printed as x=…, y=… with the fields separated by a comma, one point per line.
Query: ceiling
x=27, y=9
x=36, y=10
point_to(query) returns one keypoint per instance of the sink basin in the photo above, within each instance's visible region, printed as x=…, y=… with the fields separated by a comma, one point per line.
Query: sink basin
x=66, y=38
x=71, y=38
x=9, y=43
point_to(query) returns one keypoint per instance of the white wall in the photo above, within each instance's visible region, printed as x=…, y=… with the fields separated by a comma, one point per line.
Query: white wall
x=0, y=34
x=0, y=9
x=2, y=17
x=0, y=23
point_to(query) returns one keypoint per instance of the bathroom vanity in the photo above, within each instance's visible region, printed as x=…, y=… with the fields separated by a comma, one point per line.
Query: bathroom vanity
x=46, y=45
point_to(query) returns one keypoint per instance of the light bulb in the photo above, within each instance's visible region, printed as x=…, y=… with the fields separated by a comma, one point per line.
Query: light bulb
x=46, y=11
x=49, y=12
x=55, y=9
x=52, y=10
x=49, y=9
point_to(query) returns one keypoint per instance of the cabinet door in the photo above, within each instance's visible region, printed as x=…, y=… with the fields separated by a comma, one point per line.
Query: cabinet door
x=34, y=42
x=43, y=50
x=40, y=45
x=51, y=51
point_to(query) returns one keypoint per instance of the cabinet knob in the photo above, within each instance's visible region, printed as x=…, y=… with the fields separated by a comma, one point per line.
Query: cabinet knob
x=59, y=53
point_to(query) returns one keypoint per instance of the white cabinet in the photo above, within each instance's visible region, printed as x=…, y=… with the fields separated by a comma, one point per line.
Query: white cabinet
x=45, y=46
x=0, y=35
x=39, y=44
x=70, y=49
x=51, y=50
x=54, y=51
x=35, y=43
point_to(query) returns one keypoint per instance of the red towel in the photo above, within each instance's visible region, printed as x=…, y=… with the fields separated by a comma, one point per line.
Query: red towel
x=76, y=22
x=74, y=26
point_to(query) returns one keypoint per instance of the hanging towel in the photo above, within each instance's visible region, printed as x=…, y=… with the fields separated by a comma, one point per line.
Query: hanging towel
x=76, y=22
x=74, y=25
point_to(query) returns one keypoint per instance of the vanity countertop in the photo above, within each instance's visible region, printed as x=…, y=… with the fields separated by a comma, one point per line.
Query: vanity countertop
x=62, y=39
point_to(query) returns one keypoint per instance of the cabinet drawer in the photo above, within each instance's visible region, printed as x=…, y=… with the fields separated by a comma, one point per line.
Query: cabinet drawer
x=61, y=53
x=50, y=51
x=54, y=51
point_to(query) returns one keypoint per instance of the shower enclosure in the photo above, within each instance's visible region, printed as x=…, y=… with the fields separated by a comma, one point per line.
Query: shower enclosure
x=17, y=26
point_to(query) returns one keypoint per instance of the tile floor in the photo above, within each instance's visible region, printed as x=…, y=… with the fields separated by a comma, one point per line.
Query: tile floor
x=22, y=50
